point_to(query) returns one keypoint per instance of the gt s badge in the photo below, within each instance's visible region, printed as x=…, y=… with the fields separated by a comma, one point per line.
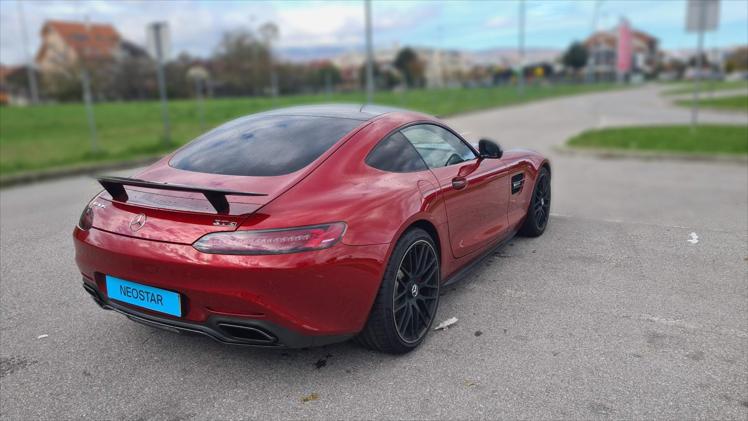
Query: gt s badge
x=223, y=223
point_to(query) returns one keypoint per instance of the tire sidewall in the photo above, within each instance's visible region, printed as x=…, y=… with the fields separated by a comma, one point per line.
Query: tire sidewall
x=389, y=281
x=530, y=226
x=543, y=173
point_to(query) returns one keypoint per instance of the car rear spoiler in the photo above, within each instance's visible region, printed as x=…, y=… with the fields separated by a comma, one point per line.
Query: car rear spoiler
x=115, y=186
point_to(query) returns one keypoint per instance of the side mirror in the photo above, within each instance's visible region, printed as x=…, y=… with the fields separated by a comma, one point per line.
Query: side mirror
x=489, y=149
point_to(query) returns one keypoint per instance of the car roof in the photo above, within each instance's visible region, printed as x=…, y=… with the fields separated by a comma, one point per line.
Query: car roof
x=349, y=111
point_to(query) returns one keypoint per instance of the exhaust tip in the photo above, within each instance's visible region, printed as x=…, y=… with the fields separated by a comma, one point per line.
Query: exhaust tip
x=249, y=334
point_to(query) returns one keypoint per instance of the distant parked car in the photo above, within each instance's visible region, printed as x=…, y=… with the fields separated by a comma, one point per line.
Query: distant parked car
x=735, y=76
x=705, y=74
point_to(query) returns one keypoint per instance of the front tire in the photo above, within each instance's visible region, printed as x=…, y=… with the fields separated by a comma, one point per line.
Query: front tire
x=408, y=297
x=539, y=211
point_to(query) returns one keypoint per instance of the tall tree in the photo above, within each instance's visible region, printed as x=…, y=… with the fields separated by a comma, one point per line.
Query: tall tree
x=242, y=63
x=575, y=56
x=737, y=60
x=410, y=66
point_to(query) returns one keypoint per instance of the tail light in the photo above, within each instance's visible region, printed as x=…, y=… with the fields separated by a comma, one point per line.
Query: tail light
x=85, y=222
x=275, y=241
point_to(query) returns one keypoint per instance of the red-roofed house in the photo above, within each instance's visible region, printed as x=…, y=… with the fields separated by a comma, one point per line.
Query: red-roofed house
x=67, y=44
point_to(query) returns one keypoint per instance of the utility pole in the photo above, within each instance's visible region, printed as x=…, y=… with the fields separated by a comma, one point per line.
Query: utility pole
x=31, y=74
x=199, y=75
x=87, y=97
x=439, y=58
x=270, y=33
x=158, y=32
x=86, y=81
x=521, y=48
x=200, y=106
x=369, y=55
x=699, y=64
x=591, y=54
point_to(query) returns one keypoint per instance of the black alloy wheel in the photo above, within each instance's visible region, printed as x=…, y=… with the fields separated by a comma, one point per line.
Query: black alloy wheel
x=541, y=201
x=539, y=211
x=408, y=297
x=416, y=292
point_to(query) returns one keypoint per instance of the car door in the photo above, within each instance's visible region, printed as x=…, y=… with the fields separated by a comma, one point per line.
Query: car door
x=475, y=191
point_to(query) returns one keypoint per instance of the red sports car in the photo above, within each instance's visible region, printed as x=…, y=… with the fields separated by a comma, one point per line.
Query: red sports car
x=306, y=226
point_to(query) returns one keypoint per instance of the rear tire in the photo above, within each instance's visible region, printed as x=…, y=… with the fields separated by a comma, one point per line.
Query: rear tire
x=539, y=211
x=408, y=297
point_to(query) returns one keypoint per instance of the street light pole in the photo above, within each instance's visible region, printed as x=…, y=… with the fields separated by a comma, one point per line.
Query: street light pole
x=591, y=61
x=521, y=47
x=699, y=64
x=157, y=29
x=200, y=107
x=369, y=55
x=88, y=101
x=199, y=75
x=33, y=87
x=87, y=96
x=270, y=33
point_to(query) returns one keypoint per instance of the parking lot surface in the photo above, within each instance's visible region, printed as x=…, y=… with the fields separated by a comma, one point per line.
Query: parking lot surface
x=612, y=313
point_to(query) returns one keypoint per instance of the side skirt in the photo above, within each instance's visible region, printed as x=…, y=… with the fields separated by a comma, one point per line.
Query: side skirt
x=463, y=273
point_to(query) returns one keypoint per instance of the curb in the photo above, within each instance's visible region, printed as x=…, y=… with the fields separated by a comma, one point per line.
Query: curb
x=34, y=176
x=649, y=156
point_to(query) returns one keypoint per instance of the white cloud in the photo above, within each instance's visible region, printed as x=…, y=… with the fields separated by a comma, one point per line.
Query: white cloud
x=197, y=25
x=500, y=22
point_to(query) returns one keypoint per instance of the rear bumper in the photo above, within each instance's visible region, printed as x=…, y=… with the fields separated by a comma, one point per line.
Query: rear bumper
x=227, y=330
x=292, y=300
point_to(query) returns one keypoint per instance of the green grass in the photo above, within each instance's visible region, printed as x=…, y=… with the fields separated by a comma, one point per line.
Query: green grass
x=732, y=103
x=681, y=88
x=48, y=136
x=705, y=139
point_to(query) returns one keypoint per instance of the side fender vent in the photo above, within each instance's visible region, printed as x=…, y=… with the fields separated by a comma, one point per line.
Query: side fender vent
x=518, y=180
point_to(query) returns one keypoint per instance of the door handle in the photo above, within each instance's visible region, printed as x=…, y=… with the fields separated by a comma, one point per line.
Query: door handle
x=459, y=183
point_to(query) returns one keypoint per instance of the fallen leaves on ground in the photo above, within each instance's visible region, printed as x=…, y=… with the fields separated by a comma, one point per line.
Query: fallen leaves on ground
x=311, y=397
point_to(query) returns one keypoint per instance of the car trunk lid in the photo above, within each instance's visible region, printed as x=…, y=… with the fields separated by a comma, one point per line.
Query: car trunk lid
x=151, y=209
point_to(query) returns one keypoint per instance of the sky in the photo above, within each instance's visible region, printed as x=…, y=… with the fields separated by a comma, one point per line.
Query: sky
x=196, y=26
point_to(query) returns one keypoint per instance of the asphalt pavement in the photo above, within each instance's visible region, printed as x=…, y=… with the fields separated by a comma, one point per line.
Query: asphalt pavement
x=612, y=313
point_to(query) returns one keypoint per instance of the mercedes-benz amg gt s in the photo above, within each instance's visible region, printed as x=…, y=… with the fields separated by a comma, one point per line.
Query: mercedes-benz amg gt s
x=306, y=226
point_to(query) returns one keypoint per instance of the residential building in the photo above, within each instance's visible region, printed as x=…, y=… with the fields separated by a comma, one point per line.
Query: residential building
x=602, y=49
x=14, y=85
x=440, y=66
x=114, y=64
x=66, y=45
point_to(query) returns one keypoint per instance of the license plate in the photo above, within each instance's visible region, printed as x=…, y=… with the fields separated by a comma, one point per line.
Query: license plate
x=155, y=299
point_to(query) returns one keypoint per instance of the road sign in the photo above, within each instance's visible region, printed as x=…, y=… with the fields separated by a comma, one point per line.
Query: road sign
x=702, y=15
x=159, y=40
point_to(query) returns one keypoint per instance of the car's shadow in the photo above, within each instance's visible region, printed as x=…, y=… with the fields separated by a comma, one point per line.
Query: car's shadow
x=346, y=358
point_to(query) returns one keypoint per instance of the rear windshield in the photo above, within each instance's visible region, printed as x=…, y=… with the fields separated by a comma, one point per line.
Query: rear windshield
x=263, y=145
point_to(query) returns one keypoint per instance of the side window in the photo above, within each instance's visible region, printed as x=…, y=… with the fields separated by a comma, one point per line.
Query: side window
x=437, y=146
x=395, y=154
